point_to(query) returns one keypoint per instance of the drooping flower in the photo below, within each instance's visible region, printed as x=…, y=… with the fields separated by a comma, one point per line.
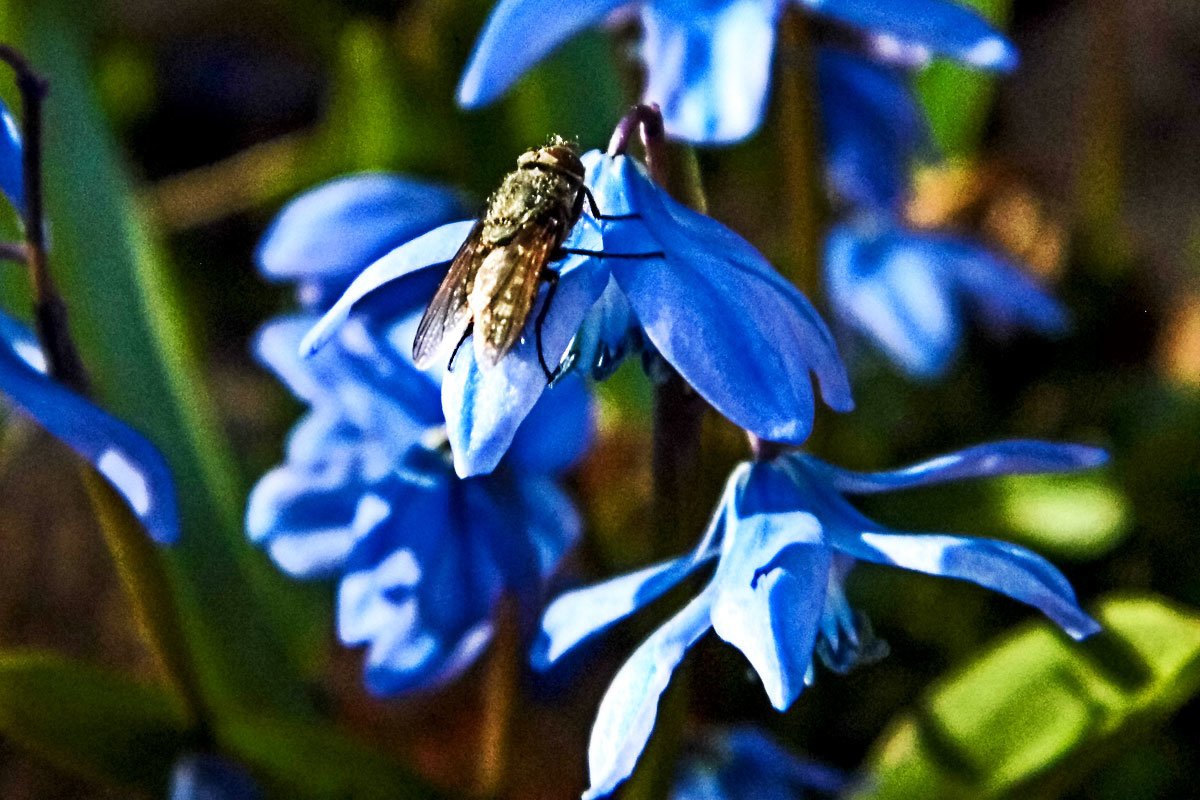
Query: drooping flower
x=909, y=292
x=784, y=536
x=708, y=64
x=367, y=495
x=130, y=463
x=711, y=306
x=743, y=763
x=200, y=776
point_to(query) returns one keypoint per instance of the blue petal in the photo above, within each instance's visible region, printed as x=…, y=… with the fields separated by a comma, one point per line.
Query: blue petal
x=770, y=584
x=310, y=519
x=519, y=34
x=709, y=69
x=577, y=616
x=874, y=127
x=1006, y=296
x=406, y=273
x=124, y=457
x=557, y=432
x=999, y=566
x=627, y=712
x=419, y=592
x=356, y=373
x=485, y=407
x=199, y=776
x=12, y=180
x=939, y=27
x=1015, y=457
x=896, y=294
x=334, y=231
x=758, y=336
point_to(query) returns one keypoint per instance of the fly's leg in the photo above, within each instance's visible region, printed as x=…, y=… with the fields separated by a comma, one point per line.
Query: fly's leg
x=463, y=338
x=574, y=251
x=550, y=277
x=595, y=209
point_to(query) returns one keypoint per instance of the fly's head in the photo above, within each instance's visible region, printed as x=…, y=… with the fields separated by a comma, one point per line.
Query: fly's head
x=559, y=155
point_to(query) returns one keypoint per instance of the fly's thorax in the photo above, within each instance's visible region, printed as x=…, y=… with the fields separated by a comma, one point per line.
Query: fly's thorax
x=529, y=196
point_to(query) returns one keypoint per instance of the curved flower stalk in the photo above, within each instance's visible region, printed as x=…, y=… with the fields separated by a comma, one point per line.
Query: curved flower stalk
x=708, y=64
x=908, y=292
x=129, y=462
x=367, y=494
x=784, y=537
x=743, y=763
x=711, y=306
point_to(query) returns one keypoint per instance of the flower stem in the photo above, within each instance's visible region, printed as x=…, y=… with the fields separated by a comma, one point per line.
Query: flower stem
x=678, y=416
x=800, y=151
x=500, y=696
x=138, y=562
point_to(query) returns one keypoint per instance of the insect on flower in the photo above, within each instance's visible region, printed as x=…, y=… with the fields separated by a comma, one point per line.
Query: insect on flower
x=494, y=278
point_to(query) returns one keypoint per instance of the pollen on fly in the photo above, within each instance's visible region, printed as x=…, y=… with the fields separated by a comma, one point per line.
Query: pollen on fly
x=492, y=282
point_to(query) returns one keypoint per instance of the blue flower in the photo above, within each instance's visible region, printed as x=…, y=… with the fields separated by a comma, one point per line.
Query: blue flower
x=743, y=763
x=908, y=292
x=134, y=467
x=708, y=64
x=874, y=128
x=207, y=777
x=711, y=306
x=783, y=537
x=367, y=495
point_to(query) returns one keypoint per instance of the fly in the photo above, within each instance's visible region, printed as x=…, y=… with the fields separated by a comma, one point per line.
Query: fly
x=493, y=280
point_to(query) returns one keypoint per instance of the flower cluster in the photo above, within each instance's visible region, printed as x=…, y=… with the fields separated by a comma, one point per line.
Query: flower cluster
x=429, y=494
x=367, y=493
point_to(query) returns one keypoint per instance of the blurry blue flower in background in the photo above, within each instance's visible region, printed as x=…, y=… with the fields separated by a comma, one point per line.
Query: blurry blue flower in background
x=743, y=763
x=784, y=536
x=710, y=305
x=323, y=238
x=908, y=292
x=130, y=463
x=368, y=495
x=708, y=64
x=208, y=777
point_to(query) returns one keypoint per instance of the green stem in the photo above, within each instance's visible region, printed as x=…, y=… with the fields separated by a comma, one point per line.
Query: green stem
x=800, y=153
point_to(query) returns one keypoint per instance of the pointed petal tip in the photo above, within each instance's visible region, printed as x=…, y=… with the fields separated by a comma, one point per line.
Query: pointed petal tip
x=1084, y=628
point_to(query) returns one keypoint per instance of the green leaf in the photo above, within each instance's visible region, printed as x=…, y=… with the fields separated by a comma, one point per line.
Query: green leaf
x=90, y=721
x=958, y=99
x=1077, y=516
x=303, y=760
x=243, y=623
x=1030, y=716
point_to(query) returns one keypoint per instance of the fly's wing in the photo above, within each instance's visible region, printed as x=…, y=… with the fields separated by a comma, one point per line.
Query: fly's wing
x=506, y=285
x=448, y=314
